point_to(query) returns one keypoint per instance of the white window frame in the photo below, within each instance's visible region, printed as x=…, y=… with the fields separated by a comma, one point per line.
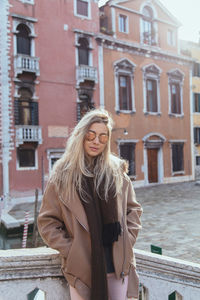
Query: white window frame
x=18, y=168
x=125, y=24
x=89, y=10
x=152, y=72
x=28, y=1
x=182, y=172
x=124, y=67
x=123, y=141
x=54, y=153
x=155, y=24
x=30, y=25
x=82, y=35
x=177, y=77
x=171, y=40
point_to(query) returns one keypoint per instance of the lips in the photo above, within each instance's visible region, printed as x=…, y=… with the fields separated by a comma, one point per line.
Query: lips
x=94, y=149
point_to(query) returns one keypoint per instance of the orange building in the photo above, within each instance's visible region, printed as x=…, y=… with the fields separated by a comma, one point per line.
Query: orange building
x=146, y=87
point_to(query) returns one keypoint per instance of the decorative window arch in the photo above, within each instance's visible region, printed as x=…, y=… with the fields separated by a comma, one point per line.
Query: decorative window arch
x=84, y=49
x=124, y=85
x=24, y=29
x=148, y=25
x=151, y=88
x=175, y=91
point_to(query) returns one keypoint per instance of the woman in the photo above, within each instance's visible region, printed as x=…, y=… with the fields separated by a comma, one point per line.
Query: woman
x=90, y=215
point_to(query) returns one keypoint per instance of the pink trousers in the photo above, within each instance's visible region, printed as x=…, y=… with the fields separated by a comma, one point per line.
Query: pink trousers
x=116, y=289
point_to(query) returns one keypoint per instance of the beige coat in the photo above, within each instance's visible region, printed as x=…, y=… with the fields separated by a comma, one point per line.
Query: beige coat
x=63, y=226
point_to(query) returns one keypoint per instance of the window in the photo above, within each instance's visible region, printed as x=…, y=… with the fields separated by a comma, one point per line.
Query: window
x=125, y=102
x=23, y=40
x=197, y=160
x=171, y=38
x=83, y=51
x=82, y=8
x=177, y=157
x=196, y=69
x=175, y=98
x=148, y=27
x=26, y=156
x=151, y=95
x=175, y=92
x=53, y=155
x=123, y=23
x=124, y=85
x=151, y=84
x=25, y=110
x=127, y=152
x=196, y=97
x=197, y=135
x=174, y=296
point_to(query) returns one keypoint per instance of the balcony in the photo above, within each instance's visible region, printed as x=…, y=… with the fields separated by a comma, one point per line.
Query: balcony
x=24, y=272
x=86, y=73
x=28, y=133
x=26, y=63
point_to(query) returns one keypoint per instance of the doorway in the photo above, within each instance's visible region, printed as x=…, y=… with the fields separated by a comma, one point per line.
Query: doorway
x=152, y=156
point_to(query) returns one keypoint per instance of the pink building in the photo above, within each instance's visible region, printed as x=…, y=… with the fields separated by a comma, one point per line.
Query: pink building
x=48, y=79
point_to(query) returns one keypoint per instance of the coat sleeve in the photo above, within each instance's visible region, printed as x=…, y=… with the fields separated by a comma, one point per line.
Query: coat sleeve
x=50, y=222
x=134, y=212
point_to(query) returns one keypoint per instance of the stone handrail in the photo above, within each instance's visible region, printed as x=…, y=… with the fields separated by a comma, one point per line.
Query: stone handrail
x=23, y=270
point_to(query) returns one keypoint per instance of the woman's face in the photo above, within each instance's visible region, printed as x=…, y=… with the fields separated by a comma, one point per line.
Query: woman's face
x=96, y=139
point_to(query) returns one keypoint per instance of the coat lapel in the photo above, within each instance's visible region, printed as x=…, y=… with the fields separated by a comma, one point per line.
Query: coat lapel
x=77, y=209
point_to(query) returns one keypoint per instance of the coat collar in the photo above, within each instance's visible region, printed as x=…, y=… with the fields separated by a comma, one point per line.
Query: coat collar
x=77, y=209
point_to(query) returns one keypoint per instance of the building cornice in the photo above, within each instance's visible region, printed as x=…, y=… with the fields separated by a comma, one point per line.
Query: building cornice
x=21, y=17
x=142, y=50
x=80, y=31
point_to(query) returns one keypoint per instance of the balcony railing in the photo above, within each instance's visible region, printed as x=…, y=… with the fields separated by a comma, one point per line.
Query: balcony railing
x=28, y=133
x=26, y=63
x=86, y=73
x=24, y=272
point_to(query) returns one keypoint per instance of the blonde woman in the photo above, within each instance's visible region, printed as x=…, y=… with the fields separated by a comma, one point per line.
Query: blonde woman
x=90, y=215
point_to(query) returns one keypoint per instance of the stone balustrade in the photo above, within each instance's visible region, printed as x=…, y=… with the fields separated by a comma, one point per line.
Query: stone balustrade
x=35, y=274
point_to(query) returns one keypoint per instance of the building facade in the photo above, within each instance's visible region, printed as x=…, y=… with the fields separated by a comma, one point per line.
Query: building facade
x=147, y=89
x=49, y=78
x=193, y=50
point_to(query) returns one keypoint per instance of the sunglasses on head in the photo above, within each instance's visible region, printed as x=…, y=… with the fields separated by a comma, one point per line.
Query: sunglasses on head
x=91, y=135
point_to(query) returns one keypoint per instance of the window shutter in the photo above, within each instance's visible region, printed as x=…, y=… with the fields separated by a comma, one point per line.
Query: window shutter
x=129, y=91
x=120, y=94
x=16, y=112
x=155, y=105
x=34, y=113
x=198, y=104
x=195, y=135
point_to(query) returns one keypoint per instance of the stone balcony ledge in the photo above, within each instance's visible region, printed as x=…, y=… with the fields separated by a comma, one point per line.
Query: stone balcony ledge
x=23, y=270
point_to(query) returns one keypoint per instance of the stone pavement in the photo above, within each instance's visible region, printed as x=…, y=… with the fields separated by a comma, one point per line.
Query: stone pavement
x=171, y=219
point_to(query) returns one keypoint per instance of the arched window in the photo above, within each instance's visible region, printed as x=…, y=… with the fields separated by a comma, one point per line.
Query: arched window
x=148, y=26
x=23, y=40
x=83, y=51
x=26, y=111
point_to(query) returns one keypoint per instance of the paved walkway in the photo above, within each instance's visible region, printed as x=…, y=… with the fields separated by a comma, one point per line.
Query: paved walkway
x=171, y=219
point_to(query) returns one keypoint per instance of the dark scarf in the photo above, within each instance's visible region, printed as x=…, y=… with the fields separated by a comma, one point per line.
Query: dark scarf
x=104, y=228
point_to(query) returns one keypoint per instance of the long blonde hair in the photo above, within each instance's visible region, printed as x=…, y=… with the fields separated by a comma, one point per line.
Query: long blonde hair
x=68, y=170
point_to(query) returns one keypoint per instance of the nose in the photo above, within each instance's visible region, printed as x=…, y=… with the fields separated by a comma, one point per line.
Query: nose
x=96, y=140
